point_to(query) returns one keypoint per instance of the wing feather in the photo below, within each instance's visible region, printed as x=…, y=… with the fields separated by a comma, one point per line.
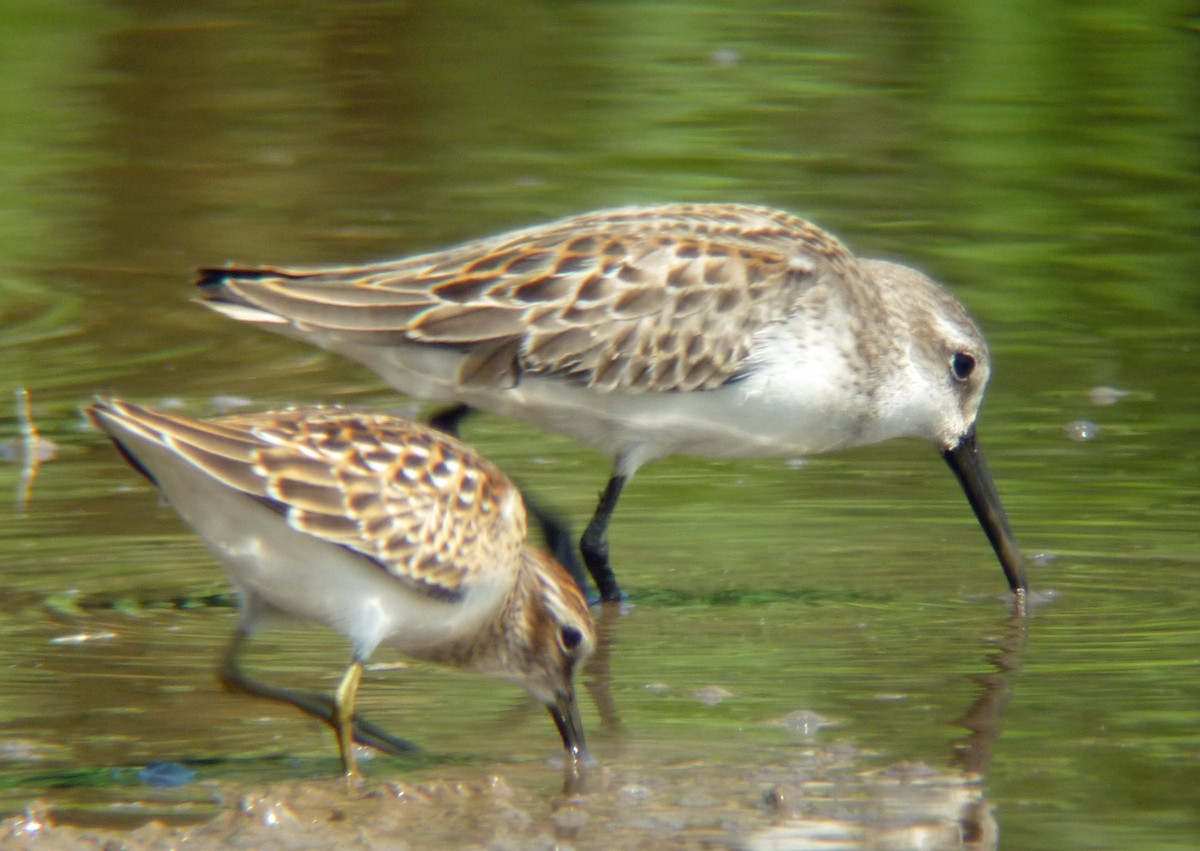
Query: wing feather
x=634, y=299
x=420, y=505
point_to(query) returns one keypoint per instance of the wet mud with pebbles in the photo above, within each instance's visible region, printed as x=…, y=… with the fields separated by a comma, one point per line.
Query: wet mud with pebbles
x=813, y=802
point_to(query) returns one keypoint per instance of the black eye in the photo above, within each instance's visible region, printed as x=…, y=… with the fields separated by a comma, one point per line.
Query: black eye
x=963, y=365
x=571, y=637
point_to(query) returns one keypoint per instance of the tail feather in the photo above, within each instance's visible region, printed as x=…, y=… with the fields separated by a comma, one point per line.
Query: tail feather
x=218, y=291
x=213, y=279
x=106, y=411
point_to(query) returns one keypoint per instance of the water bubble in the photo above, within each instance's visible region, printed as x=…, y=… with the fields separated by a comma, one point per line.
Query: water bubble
x=1081, y=430
x=634, y=792
x=712, y=695
x=1105, y=396
x=166, y=775
x=804, y=723
x=725, y=58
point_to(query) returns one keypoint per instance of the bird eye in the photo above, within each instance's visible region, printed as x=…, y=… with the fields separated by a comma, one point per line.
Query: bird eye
x=962, y=364
x=570, y=637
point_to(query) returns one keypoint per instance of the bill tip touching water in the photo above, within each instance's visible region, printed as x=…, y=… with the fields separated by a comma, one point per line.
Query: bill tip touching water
x=383, y=530
x=718, y=330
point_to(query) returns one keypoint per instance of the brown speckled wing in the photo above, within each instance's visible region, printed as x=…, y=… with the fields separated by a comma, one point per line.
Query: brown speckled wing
x=639, y=299
x=426, y=508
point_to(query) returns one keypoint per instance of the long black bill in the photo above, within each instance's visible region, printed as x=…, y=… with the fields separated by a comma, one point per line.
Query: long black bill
x=565, y=712
x=967, y=462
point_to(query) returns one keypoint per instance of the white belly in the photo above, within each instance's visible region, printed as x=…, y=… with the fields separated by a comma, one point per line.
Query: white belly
x=788, y=406
x=280, y=570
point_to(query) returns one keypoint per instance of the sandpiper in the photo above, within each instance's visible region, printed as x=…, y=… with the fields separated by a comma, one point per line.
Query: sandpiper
x=383, y=530
x=717, y=330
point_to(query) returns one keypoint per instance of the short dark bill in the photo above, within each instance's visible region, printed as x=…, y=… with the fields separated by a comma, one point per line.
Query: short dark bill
x=565, y=712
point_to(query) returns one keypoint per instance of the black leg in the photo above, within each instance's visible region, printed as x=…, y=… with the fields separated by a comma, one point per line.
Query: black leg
x=555, y=531
x=447, y=421
x=559, y=540
x=594, y=543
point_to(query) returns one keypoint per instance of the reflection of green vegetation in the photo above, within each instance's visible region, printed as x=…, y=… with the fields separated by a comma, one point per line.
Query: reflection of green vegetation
x=63, y=357
x=47, y=123
x=1070, y=130
x=30, y=314
x=672, y=597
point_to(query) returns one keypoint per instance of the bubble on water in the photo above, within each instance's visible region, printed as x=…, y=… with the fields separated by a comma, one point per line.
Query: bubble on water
x=166, y=775
x=804, y=723
x=269, y=811
x=725, y=57
x=712, y=695
x=1081, y=430
x=634, y=792
x=1105, y=396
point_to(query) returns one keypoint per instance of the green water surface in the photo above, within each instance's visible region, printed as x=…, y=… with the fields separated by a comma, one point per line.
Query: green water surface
x=1041, y=158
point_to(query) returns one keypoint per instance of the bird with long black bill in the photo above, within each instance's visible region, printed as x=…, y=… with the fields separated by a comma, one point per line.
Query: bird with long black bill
x=718, y=330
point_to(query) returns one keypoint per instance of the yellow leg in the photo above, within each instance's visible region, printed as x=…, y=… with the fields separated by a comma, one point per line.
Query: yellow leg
x=343, y=717
x=319, y=706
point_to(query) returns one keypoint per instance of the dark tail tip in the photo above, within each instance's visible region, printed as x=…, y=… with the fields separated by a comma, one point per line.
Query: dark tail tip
x=211, y=278
x=97, y=412
x=216, y=277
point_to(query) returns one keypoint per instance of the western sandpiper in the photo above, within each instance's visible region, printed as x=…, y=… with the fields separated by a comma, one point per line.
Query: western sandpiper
x=386, y=531
x=716, y=330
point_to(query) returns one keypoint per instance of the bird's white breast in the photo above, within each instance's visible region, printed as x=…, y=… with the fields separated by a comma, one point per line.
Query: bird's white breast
x=794, y=398
x=279, y=570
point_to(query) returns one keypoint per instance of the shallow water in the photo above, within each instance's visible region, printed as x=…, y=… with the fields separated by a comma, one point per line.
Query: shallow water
x=1039, y=159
